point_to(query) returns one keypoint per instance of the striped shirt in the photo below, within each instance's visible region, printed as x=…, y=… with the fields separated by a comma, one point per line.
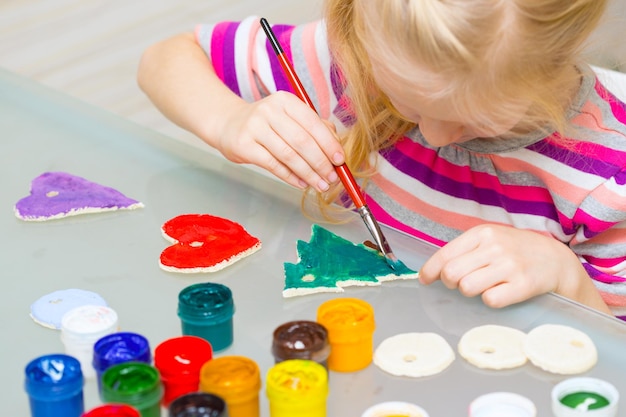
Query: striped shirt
x=573, y=191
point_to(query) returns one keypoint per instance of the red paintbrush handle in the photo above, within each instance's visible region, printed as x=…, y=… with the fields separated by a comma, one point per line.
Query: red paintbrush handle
x=351, y=186
x=343, y=172
x=293, y=79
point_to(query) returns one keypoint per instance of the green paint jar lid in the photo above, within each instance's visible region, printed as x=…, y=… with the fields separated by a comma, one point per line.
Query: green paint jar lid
x=206, y=302
x=584, y=397
x=133, y=383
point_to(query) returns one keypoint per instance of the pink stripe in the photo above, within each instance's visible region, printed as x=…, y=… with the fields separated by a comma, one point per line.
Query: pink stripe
x=315, y=70
x=383, y=217
x=412, y=204
x=590, y=116
x=217, y=52
x=605, y=263
x=613, y=300
x=566, y=189
x=617, y=107
x=593, y=225
x=252, y=58
x=464, y=174
x=285, y=42
x=609, y=198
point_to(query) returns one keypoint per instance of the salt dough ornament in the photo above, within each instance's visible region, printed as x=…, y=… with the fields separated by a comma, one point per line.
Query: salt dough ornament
x=328, y=262
x=493, y=347
x=54, y=195
x=560, y=349
x=414, y=354
x=204, y=243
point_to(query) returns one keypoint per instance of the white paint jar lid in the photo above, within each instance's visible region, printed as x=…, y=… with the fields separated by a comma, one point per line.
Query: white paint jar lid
x=502, y=404
x=395, y=408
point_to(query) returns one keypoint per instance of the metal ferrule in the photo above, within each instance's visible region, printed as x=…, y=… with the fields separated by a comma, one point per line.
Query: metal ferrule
x=375, y=231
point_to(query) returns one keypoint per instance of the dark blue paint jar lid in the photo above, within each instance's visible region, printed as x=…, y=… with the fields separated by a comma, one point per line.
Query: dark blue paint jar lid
x=120, y=347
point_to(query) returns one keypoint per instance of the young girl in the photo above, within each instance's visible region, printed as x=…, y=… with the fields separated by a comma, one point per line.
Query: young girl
x=474, y=124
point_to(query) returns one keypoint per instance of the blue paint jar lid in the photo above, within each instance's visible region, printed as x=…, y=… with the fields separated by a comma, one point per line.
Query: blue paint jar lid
x=206, y=302
x=120, y=347
x=53, y=377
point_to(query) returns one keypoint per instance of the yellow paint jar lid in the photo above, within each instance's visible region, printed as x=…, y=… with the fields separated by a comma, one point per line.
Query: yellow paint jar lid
x=231, y=377
x=347, y=319
x=297, y=381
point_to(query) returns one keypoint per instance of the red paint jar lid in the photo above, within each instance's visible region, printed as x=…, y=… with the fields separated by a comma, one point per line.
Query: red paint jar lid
x=113, y=410
x=181, y=356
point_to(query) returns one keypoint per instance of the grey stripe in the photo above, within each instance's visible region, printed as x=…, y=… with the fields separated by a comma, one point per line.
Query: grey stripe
x=300, y=65
x=410, y=218
x=616, y=288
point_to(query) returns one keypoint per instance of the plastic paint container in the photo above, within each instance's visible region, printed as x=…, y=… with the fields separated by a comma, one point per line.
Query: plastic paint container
x=206, y=310
x=54, y=384
x=81, y=328
x=395, y=409
x=136, y=384
x=584, y=397
x=179, y=361
x=297, y=387
x=350, y=324
x=237, y=380
x=113, y=410
x=198, y=404
x=301, y=340
x=119, y=348
x=502, y=404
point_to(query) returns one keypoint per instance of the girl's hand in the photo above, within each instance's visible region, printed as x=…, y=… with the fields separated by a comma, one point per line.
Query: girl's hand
x=283, y=135
x=507, y=265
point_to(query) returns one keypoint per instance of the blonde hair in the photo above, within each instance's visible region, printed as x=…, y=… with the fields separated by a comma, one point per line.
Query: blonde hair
x=498, y=53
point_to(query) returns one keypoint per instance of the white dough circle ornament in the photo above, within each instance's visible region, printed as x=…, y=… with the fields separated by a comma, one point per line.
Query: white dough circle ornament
x=560, y=349
x=493, y=347
x=414, y=354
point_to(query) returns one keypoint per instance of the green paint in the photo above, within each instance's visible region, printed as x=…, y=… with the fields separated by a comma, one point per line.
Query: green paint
x=584, y=401
x=328, y=260
x=133, y=383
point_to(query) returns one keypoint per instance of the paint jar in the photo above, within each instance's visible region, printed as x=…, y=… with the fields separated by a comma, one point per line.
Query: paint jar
x=301, y=339
x=297, y=387
x=206, y=310
x=81, y=328
x=237, y=380
x=395, y=409
x=198, y=404
x=179, y=361
x=54, y=384
x=584, y=397
x=136, y=384
x=113, y=410
x=498, y=404
x=118, y=348
x=350, y=324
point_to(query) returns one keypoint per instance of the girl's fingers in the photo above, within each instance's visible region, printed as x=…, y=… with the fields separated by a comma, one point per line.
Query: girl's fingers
x=291, y=158
x=451, y=262
x=267, y=161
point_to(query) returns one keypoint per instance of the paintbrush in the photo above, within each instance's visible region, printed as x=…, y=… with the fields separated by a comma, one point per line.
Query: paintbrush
x=346, y=177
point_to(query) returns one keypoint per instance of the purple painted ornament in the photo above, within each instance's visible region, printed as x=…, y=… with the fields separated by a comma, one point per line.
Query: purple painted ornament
x=54, y=195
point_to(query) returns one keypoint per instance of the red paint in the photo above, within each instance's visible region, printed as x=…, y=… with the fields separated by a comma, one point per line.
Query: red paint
x=203, y=241
x=179, y=361
x=113, y=410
